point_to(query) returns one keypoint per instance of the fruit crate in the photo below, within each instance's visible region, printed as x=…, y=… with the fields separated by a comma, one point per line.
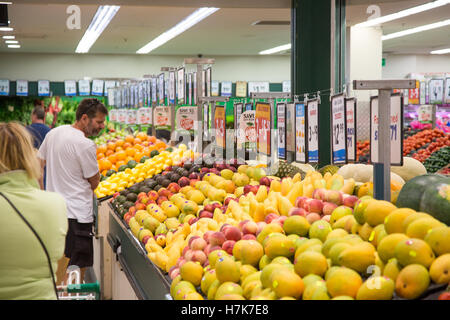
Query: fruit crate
x=147, y=280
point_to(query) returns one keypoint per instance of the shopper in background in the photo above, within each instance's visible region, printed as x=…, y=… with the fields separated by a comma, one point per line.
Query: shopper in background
x=72, y=171
x=27, y=217
x=38, y=129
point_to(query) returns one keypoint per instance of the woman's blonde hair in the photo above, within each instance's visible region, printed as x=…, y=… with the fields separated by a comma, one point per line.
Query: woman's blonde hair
x=17, y=151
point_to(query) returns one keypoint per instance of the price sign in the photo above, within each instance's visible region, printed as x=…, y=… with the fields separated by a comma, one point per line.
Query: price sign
x=436, y=91
x=123, y=116
x=162, y=118
x=313, y=131
x=208, y=79
x=131, y=117
x=97, y=87
x=286, y=86
x=22, y=88
x=263, y=121
x=226, y=89
x=189, y=95
x=109, y=84
x=186, y=118
x=247, y=137
x=281, y=123
x=219, y=125
x=113, y=115
x=4, y=87
x=300, y=133
x=172, y=87
x=205, y=120
x=84, y=87
x=425, y=113
x=215, y=88
x=149, y=112
x=238, y=110
x=248, y=106
x=154, y=90
x=350, y=110
x=396, y=130
x=161, y=88
x=423, y=92
x=142, y=116
x=241, y=89
x=260, y=86
x=181, y=85
x=414, y=94
x=290, y=127
x=43, y=88
x=194, y=86
x=447, y=91
x=338, y=123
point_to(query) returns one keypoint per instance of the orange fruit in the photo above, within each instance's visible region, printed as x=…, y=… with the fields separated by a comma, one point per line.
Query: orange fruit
x=152, y=139
x=121, y=155
x=146, y=152
x=109, y=152
x=120, y=163
x=126, y=145
x=142, y=136
x=130, y=152
x=160, y=145
x=118, y=149
x=100, y=156
x=112, y=158
x=129, y=138
x=111, y=146
x=104, y=172
x=145, y=143
x=101, y=149
x=114, y=168
x=137, y=141
x=138, y=156
x=120, y=143
x=104, y=164
x=129, y=159
x=138, y=147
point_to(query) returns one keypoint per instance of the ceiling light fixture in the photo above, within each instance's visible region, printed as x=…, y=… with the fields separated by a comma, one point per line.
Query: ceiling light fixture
x=277, y=49
x=102, y=18
x=6, y=29
x=12, y=41
x=404, y=13
x=9, y=37
x=14, y=46
x=443, y=51
x=197, y=16
x=416, y=30
x=5, y=2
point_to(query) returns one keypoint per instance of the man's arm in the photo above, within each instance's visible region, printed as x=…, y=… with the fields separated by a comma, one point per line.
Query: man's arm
x=94, y=181
x=41, y=179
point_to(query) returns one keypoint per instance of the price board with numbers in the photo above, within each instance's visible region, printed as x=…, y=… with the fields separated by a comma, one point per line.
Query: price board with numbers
x=396, y=130
x=238, y=110
x=414, y=94
x=339, y=129
x=22, y=87
x=4, y=87
x=70, y=88
x=97, y=87
x=131, y=117
x=263, y=123
x=84, y=87
x=301, y=134
x=241, y=89
x=281, y=123
x=219, y=125
x=313, y=131
x=43, y=88
x=351, y=112
x=226, y=89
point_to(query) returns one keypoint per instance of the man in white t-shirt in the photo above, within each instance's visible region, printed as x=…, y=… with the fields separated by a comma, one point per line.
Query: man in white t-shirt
x=72, y=171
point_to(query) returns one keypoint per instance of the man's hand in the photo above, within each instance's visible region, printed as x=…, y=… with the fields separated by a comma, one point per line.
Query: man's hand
x=41, y=178
x=94, y=181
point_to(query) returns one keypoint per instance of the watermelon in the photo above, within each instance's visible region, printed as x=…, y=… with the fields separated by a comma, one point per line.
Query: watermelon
x=436, y=201
x=411, y=194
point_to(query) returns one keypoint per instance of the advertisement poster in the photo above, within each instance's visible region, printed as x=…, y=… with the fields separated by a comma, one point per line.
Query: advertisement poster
x=300, y=133
x=238, y=110
x=219, y=125
x=161, y=89
x=313, y=131
x=172, y=87
x=97, y=87
x=186, y=119
x=203, y=84
x=338, y=123
x=350, y=110
x=22, y=88
x=281, y=123
x=215, y=88
x=436, y=91
x=194, y=88
x=290, y=127
x=84, y=87
x=247, y=138
x=241, y=89
x=226, y=89
x=161, y=118
x=414, y=94
x=181, y=86
x=154, y=90
x=447, y=91
x=4, y=87
x=43, y=88
x=206, y=121
x=263, y=122
x=189, y=95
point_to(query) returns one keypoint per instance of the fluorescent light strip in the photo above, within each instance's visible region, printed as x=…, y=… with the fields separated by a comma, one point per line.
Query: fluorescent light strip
x=12, y=41
x=9, y=37
x=182, y=26
x=102, y=18
x=277, y=49
x=6, y=29
x=13, y=46
x=5, y=2
x=443, y=51
x=404, y=13
x=416, y=30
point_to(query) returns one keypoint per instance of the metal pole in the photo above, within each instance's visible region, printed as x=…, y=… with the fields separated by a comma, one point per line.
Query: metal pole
x=382, y=171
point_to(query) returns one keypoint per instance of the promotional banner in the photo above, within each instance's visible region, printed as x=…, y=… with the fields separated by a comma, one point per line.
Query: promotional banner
x=414, y=94
x=203, y=84
x=154, y=91
x=290, y=127
x=43, y=88
x=338, y=123
x=186, y=118
x=181, y=86
x=313, y=131
x=241, y=89
x=84, y=87
x=263, y=121
x=350, y=110
x=22, y=88
x=194, y=88
x=425, y=113
x=161, y=118
x=4, y=87
x=189, y=96
x=247, y=135
x=258, y=86
x=423, y=92
x=172, y=87
x=214, y=88
x=219, y=125
x=226, y=89
x=206, y=121
x=300, y=133
x=97, y=87
x=161, y=89
x=447, y=91
x=286, y=86
x=281, y=123
x=396, y=130
x=436, y=91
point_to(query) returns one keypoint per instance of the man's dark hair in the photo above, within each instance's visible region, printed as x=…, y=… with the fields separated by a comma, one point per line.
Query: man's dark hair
x=90, y=107
x=39, y=112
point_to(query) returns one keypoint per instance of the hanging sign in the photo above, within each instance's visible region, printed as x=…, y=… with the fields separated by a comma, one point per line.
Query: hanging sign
x=286, y=86
x=226, y=89
x=206, y=121
x=447, y=91
x=338, y=123
x=194, y=86
x=113, y=115
x=300, y=133
x=162, y=118
x=43, y=88
x=189, y=97
x=97, y=87
x=149, y=112
x=238, y=110
x=263, y=122
x=141, y=116
x=241, y=89
x=414, y=94
x=123, y=116
x=140, y=94
x=247, y=137
x=131, y=117
x=436, y=91
x=281, y=124
x=350, y=110
x=425, y=113
x=181, y=86
x=396, y=130
x=208, y=79
x=109, y=84
x=172, y=87
x=290, y=127
x=154, y=90
x=219, y=125
x=22, y=88
x=313, y=131
x=186, y=118
x=260, y=86
x=248, y=106
x=70, y=87
x=215, y=88
x=84, y=87
x=4, y=87
x=423, y=92
x=161, y=88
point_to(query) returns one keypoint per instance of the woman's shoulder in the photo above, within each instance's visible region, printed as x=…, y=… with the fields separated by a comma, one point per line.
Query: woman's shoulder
x=51, y=199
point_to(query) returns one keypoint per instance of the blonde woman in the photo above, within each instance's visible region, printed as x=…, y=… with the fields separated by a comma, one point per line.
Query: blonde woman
x=33, y=223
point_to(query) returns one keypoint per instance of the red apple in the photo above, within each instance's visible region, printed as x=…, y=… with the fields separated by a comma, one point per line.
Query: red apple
x=209, y=207
x=141, y=195
x=173, y=187
x=248, y=188
x=145, y=239
x=153, y=195
x=299, y=201
x=265, y=181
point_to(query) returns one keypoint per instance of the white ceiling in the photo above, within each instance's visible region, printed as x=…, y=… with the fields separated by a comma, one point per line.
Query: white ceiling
x=41, y=28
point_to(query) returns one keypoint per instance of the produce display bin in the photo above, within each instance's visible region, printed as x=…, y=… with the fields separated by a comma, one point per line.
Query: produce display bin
x=146, y=279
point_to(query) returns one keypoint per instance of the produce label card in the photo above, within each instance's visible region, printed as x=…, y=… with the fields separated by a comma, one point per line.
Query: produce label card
x=113, y=115
x=241, y=89
x=286, y=86
x=290, y=127
x=161, y=88
x=22, y=88
x=162, y=118
x=300, y=133
x=215, y=88
x=97, y=87
x=247, y=140
x=4, y=87
x=338, y=123
x=123, y=116
x=226, y=89
x=263, y=121
x=436, y=91
x=186, y=118
x=425, y=113
x=149, y=115
x=84, y=87
x=258, y=86
x=131, y=117
x=350, y=110
x=43, y=88
x=219, y=125
x=313, y=131
x=141, y=116
x=181, y=85
x=281, y=123
x=172, y=87
x=414, y=94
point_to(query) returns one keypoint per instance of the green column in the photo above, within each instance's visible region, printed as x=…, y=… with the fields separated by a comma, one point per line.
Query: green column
x=313, y=57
